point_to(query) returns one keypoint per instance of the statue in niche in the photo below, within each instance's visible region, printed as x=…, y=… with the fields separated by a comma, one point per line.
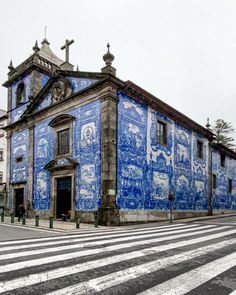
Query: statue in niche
x=60, y=90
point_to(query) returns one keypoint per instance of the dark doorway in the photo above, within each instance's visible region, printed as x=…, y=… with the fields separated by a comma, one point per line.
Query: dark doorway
x=63, y=196
x=19, y=198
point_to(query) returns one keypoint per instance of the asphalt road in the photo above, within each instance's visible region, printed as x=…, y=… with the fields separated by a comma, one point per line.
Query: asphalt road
x=196, y=258
x=8, y=233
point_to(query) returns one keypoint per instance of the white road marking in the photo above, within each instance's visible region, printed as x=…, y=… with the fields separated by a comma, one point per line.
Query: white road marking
x=80, y=267
x=86, y=235
x=85, y=244
x=79, y=239
x=233, y=293
x=63, y=257
x=116, y=278
x=186, y=282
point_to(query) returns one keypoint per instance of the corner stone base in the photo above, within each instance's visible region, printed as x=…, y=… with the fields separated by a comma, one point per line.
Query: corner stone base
x=152, y=216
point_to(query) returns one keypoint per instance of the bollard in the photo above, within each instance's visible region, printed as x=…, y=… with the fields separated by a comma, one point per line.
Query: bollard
x=50, y=222
x=23, y=218
x=12, y=218
x=36, y=220
x=78, y=222
x=2, y=217
x=96, y=220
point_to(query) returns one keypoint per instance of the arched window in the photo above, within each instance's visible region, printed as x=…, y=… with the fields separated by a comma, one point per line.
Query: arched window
x=20, y=94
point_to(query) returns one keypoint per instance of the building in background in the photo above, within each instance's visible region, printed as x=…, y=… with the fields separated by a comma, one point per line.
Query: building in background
x=3, y=158
x=90, y=143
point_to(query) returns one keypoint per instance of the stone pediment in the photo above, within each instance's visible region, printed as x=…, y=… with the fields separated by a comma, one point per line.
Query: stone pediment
x=61, y=88
x=60, y=164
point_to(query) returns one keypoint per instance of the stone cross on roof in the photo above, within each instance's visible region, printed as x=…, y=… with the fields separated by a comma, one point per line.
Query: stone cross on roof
x=66, y=47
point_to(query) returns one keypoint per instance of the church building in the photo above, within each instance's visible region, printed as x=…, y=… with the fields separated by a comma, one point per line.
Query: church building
x=91, y=144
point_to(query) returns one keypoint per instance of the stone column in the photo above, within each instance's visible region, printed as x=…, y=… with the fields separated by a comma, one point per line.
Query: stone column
x=30, y=170
x=108, y=211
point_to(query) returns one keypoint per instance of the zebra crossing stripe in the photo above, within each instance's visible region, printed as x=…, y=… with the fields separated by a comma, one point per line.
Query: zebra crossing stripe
x=63, y=257
x=79, y=239
x=113, y=240
x=186, y=282
x=233, y=293
x=117, y=278
x=88, y=234
x=80, y=267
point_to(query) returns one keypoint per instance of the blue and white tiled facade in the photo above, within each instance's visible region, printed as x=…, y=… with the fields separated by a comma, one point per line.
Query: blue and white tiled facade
x=43, y=153
x=138, y=175
x=19, y=148
x=78, y=84
x=223, y=200
x=86, y=152
x=148, y=171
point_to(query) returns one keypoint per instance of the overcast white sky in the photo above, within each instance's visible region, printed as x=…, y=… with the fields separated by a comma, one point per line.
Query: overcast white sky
x=182, y=51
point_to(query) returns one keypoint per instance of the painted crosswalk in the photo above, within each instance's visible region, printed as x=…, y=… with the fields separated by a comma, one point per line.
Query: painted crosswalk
x=170, y=259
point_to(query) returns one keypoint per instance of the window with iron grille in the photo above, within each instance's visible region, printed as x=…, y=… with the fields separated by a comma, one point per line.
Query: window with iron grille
x=161, y=132
x=200, y=149
x=63, y=144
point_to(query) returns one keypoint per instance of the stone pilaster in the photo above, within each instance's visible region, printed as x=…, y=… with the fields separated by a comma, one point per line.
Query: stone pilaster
x=108, y=211
x=30, y=169
x=8, y=202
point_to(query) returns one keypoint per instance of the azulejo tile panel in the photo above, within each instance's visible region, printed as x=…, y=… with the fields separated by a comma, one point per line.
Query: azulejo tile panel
x=78, y=84
x=43, y=153
x=19, y=156
x=148, y=171
x=132, y=124
x=86, y=151
x=222, y=199
x=19, y=160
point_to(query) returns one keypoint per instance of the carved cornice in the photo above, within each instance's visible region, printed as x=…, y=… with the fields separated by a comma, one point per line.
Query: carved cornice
x=61, y=163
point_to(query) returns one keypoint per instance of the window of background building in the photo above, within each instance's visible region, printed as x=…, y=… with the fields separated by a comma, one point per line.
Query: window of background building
x=161, y=132
x=222, y=160
x=1, y=177
x=1, y=155
x=199, y=149
x=213, y=181
x=63, y=142
x=230, y=186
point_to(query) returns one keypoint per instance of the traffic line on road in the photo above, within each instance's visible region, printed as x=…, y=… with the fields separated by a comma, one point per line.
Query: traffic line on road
x=186, y=282
x=79, y=239
x=97, y=243
x=117, y=278
x=25, y=241
x=80, y=267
